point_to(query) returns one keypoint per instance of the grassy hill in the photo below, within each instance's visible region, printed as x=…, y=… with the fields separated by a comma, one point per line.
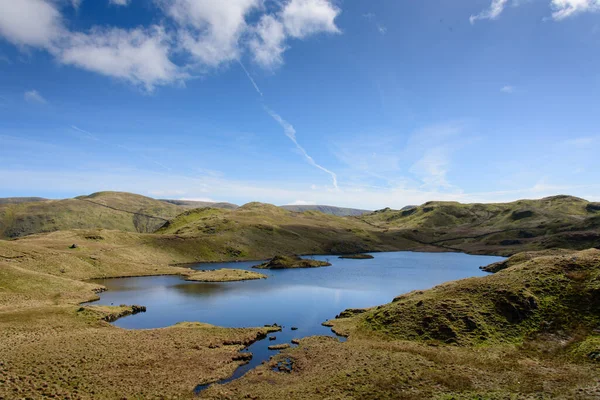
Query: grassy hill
x=527, y=332
x=255, y=230
x=502, y=228
x=332, y=210
x=111, y=210
x=190, y=204
x=259, y=231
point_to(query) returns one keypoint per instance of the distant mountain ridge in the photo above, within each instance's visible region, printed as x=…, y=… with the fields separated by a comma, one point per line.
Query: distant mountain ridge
x=331, y=210
x=191, y=204
x=17, y=200
x=257, y=229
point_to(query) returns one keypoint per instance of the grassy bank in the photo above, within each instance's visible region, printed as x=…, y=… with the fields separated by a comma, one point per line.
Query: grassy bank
x=529, y=331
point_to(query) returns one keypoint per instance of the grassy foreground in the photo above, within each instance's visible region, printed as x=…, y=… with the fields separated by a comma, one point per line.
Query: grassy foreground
x=529, y=331
x=70, y=352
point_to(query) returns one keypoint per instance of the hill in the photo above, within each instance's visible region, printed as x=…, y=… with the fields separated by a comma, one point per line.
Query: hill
x=529, y=331
x=17, y=200
x=111, y=210
x=190, y=204
x=258, y=231
x=331, y=210
x=501, y=228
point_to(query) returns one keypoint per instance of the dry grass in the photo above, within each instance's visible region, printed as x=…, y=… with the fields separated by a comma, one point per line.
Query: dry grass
x=68, y=352
x=224, y=275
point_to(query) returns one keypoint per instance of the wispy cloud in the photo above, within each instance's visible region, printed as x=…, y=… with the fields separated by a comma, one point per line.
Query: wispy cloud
x=372, y=18
x=290, y=132
x=581, y=141
x=507, y=89
x=33, y=96
x=567, y=8
x=562, y=9
x=120, y=2
x=492, y=13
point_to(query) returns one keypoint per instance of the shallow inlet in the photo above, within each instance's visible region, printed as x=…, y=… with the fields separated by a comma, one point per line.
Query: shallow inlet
x=302, y=298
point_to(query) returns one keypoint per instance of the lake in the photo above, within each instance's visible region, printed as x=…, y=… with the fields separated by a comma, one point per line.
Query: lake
x=303, y=298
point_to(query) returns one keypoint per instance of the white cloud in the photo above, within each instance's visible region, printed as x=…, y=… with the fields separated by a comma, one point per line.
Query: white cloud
x=268, y=44
x=381, y=29
x=30, y=22
x=290, y=132
x=507, y=89
x=76, y=4
x=120, y=2
x=33, y=96
x=302, y=203
x=210, y=30
x=138, y=56
x=307, y=17
x=298, y=19
x=210, y=33
x=493, y=12
x=567, y=8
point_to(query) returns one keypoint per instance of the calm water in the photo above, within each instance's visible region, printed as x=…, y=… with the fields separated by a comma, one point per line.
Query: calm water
x=303, y=298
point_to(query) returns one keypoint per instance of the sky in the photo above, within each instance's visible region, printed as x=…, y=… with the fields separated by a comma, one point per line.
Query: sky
x=355, y=103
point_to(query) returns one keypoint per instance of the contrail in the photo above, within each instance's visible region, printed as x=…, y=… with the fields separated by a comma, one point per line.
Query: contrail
x=250, y=77
x=290, y=132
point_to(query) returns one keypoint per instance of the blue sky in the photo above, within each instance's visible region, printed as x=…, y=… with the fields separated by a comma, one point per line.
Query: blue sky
x=353, y=103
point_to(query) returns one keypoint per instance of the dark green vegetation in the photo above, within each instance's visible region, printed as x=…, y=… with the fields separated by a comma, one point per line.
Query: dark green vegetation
x=358, y=256
x=529, y=331
x=285, y=262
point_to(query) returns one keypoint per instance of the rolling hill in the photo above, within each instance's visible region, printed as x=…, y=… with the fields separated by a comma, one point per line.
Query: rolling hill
x=331, y=210
x=557, y=221
x=110, y=210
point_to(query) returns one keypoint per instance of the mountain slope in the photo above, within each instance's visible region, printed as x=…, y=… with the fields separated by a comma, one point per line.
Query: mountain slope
x=191, y=204
x=502, y=228
x=331, y=210
x=111, y=210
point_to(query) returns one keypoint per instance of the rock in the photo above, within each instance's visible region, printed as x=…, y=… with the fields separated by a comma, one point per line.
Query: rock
x=295, y=341
x=281, y=346
x=284, y=262
x=594, y=356
x=521, y=214
x=73, y=246
x=242, y=357
x=593, y=207
x=272, y=337
x=294, y=328
x=358, y=256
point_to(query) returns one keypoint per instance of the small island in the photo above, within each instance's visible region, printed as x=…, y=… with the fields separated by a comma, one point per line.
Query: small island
x=357, y=256
x=224, y=275
x=285, y=262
